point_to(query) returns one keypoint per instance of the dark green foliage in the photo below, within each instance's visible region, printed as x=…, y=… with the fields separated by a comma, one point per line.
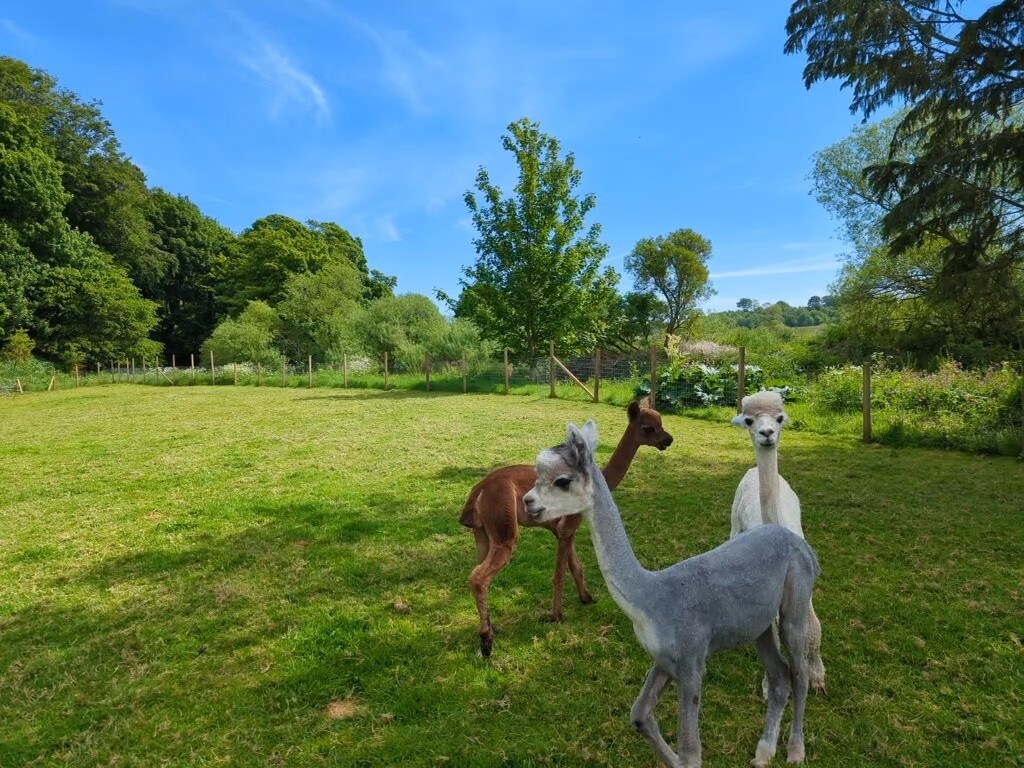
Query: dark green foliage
x=192, y=244
x=950, y=177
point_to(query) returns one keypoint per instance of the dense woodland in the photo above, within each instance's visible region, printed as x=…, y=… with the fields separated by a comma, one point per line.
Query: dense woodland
x=95, y=265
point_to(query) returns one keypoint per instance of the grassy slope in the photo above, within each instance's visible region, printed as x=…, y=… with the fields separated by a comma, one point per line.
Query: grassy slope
x=199, y=576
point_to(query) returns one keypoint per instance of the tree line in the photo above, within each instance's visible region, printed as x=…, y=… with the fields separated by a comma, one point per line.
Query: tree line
x=96, y=265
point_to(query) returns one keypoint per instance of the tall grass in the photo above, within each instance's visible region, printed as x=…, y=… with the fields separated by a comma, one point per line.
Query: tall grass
x=199, y=576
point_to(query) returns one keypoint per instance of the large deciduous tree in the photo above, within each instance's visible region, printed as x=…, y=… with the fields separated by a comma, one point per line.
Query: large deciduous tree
x=952, y=176
x=676, y=266
x=906, y=300
x=193, y=245
x=537, y=263
x=106, y=192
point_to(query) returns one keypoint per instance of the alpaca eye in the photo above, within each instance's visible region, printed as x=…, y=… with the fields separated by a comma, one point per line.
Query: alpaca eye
x=748, y=421
x=562, y=482
x=648, y=430
x=779, y=419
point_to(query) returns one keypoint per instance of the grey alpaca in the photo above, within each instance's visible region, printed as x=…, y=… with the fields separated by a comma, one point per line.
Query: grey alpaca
x=708, y=603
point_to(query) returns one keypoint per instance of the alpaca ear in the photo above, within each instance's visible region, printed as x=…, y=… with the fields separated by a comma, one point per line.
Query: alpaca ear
x=738, y=421
x=633, y=410
x=579, y=440
x=589, y=432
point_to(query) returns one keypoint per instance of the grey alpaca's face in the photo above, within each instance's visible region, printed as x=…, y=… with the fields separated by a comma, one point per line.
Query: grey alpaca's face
x=564, y=486
x=765, y=428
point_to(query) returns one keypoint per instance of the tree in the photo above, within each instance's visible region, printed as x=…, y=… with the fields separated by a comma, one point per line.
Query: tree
x=249, y=338
x=536, y=263
x=746, y=305
x=341, y=245
x=675, y=266
x=87, y=308
x=106, y=192
x=192, y=245
x=942, y=309
x=404, y=327
x=952, y=174
x=317, y=310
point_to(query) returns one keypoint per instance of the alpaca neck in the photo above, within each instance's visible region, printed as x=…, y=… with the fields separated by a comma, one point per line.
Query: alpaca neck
x=627, y=580
x=768, y=483
x=618, y=464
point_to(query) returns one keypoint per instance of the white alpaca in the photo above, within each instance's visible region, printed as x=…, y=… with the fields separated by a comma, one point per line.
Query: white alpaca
x=764, y=496
x=717, y=600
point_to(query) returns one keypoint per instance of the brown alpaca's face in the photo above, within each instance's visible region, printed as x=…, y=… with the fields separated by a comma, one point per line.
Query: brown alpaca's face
x=647, y=427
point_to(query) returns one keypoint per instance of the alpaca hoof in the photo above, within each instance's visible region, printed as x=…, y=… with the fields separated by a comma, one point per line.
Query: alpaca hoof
x=763, y=755
x=556, y=617
x=795, y=756
x=486, y=644
x=587, y=599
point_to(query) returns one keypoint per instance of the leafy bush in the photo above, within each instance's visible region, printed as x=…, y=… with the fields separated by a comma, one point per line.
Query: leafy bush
x=687, y=384
x=838, y=390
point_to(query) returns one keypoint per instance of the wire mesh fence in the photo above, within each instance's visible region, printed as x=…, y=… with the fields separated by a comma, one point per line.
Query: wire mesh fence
x=951, y=408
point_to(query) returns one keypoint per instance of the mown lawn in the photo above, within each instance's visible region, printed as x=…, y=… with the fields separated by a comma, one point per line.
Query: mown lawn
x=195, y=576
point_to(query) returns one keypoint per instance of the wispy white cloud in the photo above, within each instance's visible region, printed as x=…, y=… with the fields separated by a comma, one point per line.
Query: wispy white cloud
x=784, y=268
x=387, y=229
x=291, y=85
x=11, y=29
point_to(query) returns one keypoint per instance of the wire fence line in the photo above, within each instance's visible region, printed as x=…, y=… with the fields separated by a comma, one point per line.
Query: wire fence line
x=948, y=409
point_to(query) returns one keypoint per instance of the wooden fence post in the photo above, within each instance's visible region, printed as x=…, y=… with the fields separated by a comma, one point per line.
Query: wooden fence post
x=426, y=367
x=213, y=369
x=111, y=371
x=597, y=374
x=866, y=402
x=552, y=360
x=259, y=374
x=386, y=378
x=284, y=371
x=236, y=374
x=506, y=372
x=465, y=374
x=654, y=376
x=192, y=358
x=310, y=371
x=741, y=379
x=76, y=376
x=173, y=362
x=344, y=369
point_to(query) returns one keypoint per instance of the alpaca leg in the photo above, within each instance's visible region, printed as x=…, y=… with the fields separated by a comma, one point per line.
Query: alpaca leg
x=775, y=639
x=558, y=579
x=777, y=674
x=480, y=582
x=567, y=558
x=689, y=682
x=642, y=716
x=794, y=633
x=816, y=667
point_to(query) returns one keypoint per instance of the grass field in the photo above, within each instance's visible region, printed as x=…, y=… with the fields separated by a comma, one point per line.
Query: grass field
x=199, y=576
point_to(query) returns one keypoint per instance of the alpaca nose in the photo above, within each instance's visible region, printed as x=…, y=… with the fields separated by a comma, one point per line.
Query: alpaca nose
x=767, y=432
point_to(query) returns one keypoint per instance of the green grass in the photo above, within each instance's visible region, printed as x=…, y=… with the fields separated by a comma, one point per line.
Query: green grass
x=200, y=576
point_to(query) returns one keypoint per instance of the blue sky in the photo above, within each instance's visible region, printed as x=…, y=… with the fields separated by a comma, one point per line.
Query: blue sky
x=377, y=115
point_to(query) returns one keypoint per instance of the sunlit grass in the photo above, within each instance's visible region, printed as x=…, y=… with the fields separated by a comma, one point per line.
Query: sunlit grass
x=276, y=576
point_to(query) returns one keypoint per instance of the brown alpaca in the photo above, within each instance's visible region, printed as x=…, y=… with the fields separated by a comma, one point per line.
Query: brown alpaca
x=495, y=511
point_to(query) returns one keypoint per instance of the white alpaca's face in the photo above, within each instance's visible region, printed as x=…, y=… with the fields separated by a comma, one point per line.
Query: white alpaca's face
x=564, y=485
x=764, y=426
